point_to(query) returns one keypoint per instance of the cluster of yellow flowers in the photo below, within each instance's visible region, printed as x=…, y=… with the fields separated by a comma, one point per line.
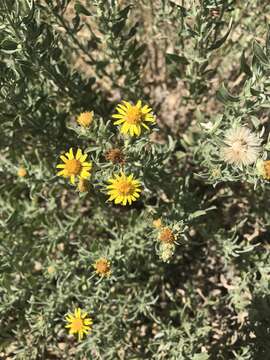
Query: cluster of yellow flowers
x=78, y=322
x=122, y=189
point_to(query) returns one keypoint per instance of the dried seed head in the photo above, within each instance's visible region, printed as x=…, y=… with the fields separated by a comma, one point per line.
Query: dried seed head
x=241, y=146
x=166, y=251
x=103, y=267
x=85, y=119
x=166, y=235
x=115, y=156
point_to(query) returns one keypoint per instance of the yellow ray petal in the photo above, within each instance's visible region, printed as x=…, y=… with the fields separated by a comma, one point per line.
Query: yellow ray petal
x=122, y=112
x=117, y=116
x=87, y=164
x=146, y=109
x=61, y=173
x=83, y=158
x=145, y=126
x=118, y=199
x=71, y=155
x=84, y=175
x=72, y=179
x=128, y=105
x=63, y=158
x=149, y=118
x=125, y=128
x=123, y=107
x=79, y=154
x=119, y=121
x=139, y=104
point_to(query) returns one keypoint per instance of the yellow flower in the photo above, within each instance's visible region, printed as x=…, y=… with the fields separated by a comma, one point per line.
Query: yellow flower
x=123, y=189
x=133, y=117
x=21, y=172
x=74, y=166
x=103, y=267
x=85, y=119
x=79, y=323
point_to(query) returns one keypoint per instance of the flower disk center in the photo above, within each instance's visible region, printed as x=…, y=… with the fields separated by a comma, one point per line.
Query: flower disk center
x=77, y=324
x=73, y=167
x=239, y=146
x=134, y=115
x=102, y=267
x=125, y=188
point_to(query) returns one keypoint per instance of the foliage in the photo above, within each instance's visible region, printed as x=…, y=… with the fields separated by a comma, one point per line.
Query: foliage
x=198, y=291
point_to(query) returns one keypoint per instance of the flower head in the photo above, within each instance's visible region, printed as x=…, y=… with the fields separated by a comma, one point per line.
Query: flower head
x=79, y=323
x=133, y=118
x=263, y=167
x=51, y=269
x=115, y=156
x=166, y=235
x=74, y=166
x=103, y=267
x=85, y=119
x=21, y=172
x=123, y=189
x=242, y=147
x=157, y=223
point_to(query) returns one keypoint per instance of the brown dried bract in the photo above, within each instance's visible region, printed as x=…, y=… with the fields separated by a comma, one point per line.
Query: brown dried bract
x=116, y=156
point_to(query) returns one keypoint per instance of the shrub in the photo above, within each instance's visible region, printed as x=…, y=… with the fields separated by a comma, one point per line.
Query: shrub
x=152, y=243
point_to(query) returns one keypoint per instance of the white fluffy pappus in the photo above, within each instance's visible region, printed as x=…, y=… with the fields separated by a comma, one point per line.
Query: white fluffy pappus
x=242, y=147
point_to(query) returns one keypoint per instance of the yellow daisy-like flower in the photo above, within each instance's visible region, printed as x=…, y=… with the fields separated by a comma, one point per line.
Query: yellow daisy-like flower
x=133, y=117
x=85, y=119
x=123, y=189
x=74, y=166
x=79, y=323
x=103, y=267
